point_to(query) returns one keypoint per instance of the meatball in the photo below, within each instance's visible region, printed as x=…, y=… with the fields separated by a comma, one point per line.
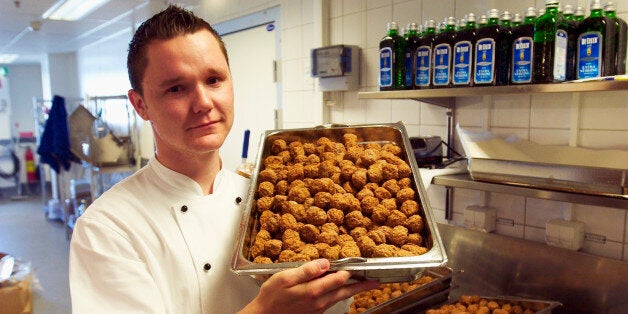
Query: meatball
x=328, y=168
x=281, y=188
x=359, y=178
x=409, y=207
x=392, y=148
x=331, y=253
x=258, y=248
x=415, y=249
x=316, y=216
x=298, y=194
x=349, y=249
x=354, y=153
x=378, y=236
x=272, y=248
x=374, y=173
x=385, y=250
x=396, y=218
x=327, y=237
x=310, y=251
x=404, y=182
x=399, y=235
x=262, y=260
x=357, y=232
x=263, y=234
x=350, y=139
x=265, y=189
x=414, y=223
x=404, y=171
x=291, y=240
x=335, y=216
x=382, y=193
x=369, y=157
x=330, y=227
x=366, y=245
x=310, y=148
x=392, y=186
x=322, y=199
x=344, y=238
x=311, y=171
x=389, y=203
x=309, y=233
x=267, y=175
x=405, y=194
x=272, y=160
x=354, y=219
x=414, y=238
x=264, y=203
x=368, y=203
x=287, y=222
x=278, y=145
x=380, y=214
x=390, y=172
x=363, y=193
x=270, y=221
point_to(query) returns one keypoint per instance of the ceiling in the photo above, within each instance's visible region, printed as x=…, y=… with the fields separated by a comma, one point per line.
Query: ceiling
x=18, y=36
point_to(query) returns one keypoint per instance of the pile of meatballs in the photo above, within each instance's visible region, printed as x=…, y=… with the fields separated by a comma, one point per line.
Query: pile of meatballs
x=335, y=199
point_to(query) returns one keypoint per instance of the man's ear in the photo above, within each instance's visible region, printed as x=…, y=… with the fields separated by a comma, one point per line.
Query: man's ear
x=138, y=103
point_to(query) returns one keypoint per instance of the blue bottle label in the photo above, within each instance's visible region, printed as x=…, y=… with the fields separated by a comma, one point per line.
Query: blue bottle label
x=408, y=67
x=462, y=63
x=442, y=64
x=484, y=61
x=522, y=60
x=385, y=67
x=560, y=55
x=589, y=61
x=423, y=62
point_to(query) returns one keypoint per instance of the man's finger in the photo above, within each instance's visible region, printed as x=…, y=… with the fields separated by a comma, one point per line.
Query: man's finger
x=303, y=273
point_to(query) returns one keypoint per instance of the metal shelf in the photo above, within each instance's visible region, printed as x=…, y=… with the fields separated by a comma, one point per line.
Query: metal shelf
x=465, y=181
x=445, y=97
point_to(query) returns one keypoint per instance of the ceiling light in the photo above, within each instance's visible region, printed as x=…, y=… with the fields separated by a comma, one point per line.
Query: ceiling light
x=8, y=58
x=72, y=10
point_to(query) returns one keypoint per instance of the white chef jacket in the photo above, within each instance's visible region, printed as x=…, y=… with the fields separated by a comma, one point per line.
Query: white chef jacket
x=154, y=243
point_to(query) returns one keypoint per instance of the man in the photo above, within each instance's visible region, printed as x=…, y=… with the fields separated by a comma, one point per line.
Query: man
x=161, y=240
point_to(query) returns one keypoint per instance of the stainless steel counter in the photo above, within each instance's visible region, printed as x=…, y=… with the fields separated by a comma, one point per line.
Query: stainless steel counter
x=495, y=265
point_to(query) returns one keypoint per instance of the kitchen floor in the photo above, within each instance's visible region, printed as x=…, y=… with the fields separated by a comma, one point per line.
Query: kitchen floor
x=28, y=235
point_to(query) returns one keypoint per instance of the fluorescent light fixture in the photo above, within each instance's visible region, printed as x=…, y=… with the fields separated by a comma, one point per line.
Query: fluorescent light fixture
x=8, y=58
x=72, y=10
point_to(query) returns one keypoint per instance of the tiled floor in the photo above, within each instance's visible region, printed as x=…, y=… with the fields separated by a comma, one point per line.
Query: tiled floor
x=27, y=234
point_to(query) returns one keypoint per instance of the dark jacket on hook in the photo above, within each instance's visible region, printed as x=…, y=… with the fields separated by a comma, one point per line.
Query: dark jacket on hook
x=54, y=147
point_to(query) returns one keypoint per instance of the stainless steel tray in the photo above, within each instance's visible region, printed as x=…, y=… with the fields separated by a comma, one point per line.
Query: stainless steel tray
x=429, y=294
x=538, y=306
x=576, y=179
x=389, y=269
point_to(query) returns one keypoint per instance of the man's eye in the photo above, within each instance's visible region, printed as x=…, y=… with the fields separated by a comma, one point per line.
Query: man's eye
x=213, y=80
x=174, y=89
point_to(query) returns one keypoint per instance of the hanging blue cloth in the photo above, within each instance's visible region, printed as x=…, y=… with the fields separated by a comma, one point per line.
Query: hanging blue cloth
x=54, y=147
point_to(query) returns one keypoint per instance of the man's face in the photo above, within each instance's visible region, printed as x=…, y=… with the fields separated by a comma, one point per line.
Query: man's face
x=188, y=94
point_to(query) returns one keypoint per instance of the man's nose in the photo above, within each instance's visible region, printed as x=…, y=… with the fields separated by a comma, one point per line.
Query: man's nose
x=203, y=100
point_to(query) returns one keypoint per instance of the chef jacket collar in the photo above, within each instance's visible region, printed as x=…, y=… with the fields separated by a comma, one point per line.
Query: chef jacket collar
x=181, y=183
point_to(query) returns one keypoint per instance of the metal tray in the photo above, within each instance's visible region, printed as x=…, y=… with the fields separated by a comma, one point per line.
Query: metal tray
x=544, y=306
x=389, y=269
x=575, y=179
x=431, y=293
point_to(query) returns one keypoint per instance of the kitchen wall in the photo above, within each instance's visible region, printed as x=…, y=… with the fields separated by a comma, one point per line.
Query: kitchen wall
x=546, y=119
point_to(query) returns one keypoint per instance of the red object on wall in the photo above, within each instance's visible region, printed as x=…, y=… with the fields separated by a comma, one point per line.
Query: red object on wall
x=30, y=165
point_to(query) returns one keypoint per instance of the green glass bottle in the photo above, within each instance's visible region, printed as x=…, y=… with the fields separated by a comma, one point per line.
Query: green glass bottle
x=595, y=56
x=522, y=57
x=492, y=47
x=412, y=43
x=516, y=20
x=441, y=65
x=620, y=37
x=550, y=45
x=423, y=61
x=578, y=15
x=572, y=37
x=392, y=50
x=462, y=64
x=483, y=21
x=461, y=24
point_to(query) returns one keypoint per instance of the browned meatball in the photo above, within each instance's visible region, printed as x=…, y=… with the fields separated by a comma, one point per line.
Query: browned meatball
x=363, y=193
x=298, y=194
x=378, y=236
x=272, y=160
x=311, y=171
x=399, y=235
x=369, y=157
x=327, y=237
x=385, y=250
x=270, y=221
x=310, y=251
x=295, y=209
x=354, y=153
x=404, y=182
x=335, y=216
x=330, y=227
x=414, y=223
x=359, y=178
x=357, y=232
x=368, y=203
x=366, y=245
x=374, y=173
x=281, y=188
x=267, y=175
x=332, y=253
x=258, y=247
x=286, y=256
x=278, y=145
x=405, y=194
x=264, y=203
x=288, y=221
x=392, y=186
x=343, y=238
x=309, y=233
x=390, y=172
x=310, y=148
x=263, y=234
x=389, y=203
x=262, y=260
x=265, y=189
x=354, y=219
x=316, y=216
x=396, y=218
x=414, y=238
x=353, y=204
x=402, y=253
x=349, y=249
x=380, y=214
x=415, y=249
x=348, y=187
x=291, y=240
x=382, y=193
x=404, y=170
x=392, y=148
x=322, y=199
x=409, y=207
x=350, y=139
x=272, y=248
x=285, y=157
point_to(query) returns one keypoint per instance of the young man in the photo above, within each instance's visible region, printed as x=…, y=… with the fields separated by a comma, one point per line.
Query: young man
x=161, y=240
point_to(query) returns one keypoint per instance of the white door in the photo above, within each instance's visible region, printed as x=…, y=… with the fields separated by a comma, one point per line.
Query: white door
x=251, y=58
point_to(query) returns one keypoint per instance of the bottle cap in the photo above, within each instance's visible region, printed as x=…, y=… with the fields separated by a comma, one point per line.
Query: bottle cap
x=579, y=11
x=551, y=2
x=451, y=20
x=470, y=17
x=506, y=16
x=516, y=18
x=530, y=12
x=493, y=14
x=462, y=23
x=568, y=9
x=609, y=6
x=392, y=25
x=483, y=19
x=413, y=26
x=596, y=5
x=431, y=23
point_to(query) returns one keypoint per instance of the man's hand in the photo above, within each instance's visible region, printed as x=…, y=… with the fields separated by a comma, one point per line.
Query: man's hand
x=306, y=290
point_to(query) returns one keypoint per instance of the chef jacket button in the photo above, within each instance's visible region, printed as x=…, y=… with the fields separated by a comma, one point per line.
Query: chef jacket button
x=207, y=266
x=184, y=208
x=238, y=200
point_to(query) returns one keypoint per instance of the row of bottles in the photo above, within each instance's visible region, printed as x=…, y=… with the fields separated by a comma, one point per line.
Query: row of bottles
x=557, y=45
